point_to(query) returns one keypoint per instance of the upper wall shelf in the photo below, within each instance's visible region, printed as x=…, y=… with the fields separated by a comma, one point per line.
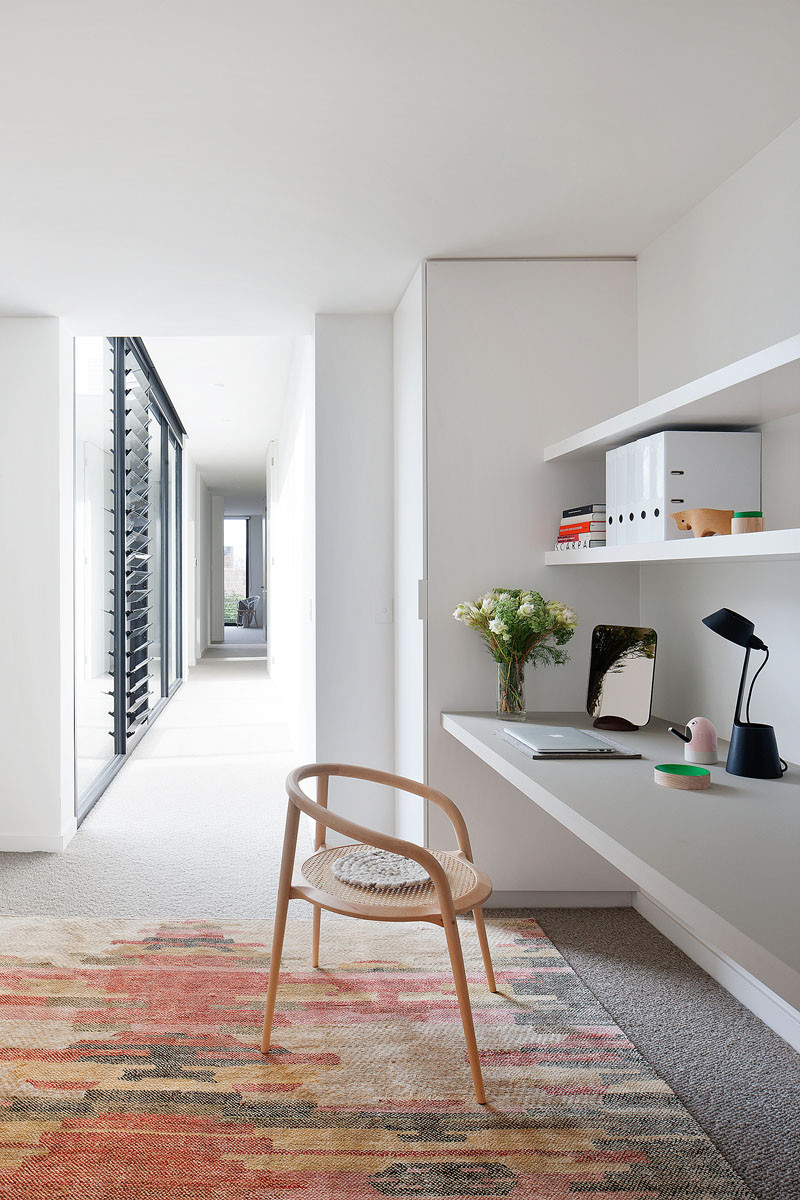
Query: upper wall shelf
x=735, y=547
x=760, y=388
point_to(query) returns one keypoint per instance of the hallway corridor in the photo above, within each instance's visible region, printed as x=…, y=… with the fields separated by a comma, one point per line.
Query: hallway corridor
x=193, y=825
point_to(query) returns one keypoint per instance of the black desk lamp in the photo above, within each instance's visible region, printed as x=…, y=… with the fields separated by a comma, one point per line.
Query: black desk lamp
x=753, y=751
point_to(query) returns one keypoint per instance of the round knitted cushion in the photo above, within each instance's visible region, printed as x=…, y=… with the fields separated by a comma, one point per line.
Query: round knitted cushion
x=379, y=869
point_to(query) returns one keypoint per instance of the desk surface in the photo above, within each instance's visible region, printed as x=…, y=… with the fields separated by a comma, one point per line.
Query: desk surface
x=725, y=862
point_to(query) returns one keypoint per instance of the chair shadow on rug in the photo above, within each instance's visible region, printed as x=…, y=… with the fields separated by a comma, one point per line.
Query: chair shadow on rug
x=454, y=884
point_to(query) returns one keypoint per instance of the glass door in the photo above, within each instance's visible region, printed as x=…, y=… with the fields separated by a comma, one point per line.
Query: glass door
x=95, y=727
x=156, y=548
x=173, y=591
x=127, y=555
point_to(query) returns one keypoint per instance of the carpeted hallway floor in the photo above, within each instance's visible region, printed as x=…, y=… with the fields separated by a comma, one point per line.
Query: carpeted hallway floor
x=192, y=828
x=237, y=635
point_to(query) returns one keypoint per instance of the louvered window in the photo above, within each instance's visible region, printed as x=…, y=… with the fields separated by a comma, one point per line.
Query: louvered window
x=145, y=516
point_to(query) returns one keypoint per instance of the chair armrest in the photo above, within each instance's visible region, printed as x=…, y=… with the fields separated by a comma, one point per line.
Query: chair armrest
x=400, y=782
x=369, y=837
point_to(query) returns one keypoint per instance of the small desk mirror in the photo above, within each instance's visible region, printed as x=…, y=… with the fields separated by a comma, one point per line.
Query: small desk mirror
x=621, y=676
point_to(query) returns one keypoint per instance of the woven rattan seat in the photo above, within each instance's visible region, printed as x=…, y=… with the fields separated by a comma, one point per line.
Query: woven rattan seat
x=400, y=903
x=453, y=885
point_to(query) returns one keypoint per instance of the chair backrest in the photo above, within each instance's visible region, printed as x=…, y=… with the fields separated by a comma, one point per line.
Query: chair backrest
x=318, y=810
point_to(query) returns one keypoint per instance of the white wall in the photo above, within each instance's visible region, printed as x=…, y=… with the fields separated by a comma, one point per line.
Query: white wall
x=409, y=552
x=290, y=550
x=217, y=557
x=723, y=282
x=189, y=511
x=355, y=559
x=518, y=355
x=37, y=800
x=697, y=673
x=202, y=545
x=197, y=559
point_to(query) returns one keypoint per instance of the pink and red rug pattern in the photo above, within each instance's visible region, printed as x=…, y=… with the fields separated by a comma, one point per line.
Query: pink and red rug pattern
x=129, y=1070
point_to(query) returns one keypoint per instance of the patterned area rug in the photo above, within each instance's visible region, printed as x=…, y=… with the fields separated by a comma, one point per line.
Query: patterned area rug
x=130, y=1071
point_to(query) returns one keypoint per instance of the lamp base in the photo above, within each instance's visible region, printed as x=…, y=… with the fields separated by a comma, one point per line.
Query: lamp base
x=753, y=752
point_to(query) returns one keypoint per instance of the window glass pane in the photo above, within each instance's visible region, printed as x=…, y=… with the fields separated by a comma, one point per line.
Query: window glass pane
x=156, y=534
x=173, y=563
x=94, y=560
x=235, y=566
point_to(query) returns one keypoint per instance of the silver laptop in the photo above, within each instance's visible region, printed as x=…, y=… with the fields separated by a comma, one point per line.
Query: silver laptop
x=558, y=739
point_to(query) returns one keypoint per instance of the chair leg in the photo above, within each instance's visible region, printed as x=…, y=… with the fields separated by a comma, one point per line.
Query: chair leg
x=315, y=936
x=279, y=928
x=484, y=944
x=462, y=992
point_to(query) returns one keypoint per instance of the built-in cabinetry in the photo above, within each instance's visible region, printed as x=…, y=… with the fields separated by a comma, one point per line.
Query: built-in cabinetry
x=493, y=361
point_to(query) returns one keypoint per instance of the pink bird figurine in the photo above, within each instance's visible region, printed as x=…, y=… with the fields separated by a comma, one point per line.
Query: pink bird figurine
x=701, y=741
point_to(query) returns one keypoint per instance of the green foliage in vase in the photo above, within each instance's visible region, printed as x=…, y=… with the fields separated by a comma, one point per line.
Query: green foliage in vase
x=521, y=627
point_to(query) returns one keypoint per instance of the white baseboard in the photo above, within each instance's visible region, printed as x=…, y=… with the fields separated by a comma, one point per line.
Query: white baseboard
x=560, y=900
x=767, y=1006
x=25, y=843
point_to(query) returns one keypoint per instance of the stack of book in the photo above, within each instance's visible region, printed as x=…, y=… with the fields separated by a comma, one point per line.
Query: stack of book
x=582, y=528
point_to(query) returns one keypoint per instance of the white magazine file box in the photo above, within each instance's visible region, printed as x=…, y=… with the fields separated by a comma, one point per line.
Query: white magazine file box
x=648, y=480
x=612, y=458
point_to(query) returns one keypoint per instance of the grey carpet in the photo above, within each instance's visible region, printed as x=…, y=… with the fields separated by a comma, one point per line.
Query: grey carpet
x=738, y=1079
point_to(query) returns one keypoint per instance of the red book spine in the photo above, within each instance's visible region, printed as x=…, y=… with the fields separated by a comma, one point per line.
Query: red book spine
x=585, y=527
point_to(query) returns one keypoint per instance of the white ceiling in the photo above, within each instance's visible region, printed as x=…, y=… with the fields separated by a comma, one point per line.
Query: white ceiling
x=191, y=166
x=229, y=393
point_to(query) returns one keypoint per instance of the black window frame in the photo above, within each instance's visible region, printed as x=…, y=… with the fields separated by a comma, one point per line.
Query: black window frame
x=172, y=528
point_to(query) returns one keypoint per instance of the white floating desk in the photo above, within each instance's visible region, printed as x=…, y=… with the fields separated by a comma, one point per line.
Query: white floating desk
x=725, y=862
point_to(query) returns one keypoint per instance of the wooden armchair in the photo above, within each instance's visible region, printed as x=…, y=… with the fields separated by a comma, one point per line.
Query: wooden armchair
x=455, y=884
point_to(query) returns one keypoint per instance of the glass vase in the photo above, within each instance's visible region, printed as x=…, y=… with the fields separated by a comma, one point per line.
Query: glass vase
x=511, y=690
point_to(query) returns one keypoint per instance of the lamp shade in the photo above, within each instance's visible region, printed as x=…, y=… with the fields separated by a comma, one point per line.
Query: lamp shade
x=753, y=751
x=731, y=625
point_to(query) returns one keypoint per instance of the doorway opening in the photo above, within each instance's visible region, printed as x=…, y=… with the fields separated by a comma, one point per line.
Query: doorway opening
x=236, y=573
x=241, y=581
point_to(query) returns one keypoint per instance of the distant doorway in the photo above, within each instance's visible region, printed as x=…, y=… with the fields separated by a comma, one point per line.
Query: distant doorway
x=236, y=566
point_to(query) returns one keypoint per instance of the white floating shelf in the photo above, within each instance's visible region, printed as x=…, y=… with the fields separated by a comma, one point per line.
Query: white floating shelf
x=760, y=388
x=734, y=547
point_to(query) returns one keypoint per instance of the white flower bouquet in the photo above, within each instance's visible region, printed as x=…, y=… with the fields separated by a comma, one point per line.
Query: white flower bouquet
x=519, y=627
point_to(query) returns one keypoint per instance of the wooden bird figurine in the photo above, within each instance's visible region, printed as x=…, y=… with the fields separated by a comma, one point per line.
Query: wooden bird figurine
x=704, y=522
